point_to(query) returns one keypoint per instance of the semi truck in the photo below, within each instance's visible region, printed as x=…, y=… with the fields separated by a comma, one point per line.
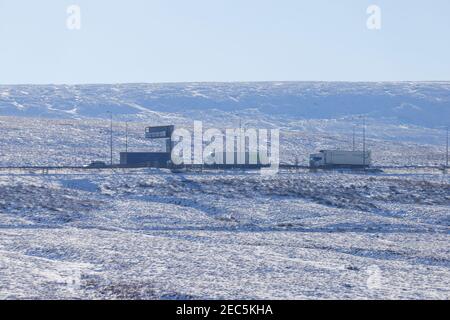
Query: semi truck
x=328, y=159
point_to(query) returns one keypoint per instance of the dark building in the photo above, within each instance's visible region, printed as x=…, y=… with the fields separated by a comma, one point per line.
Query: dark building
x=163, y=132
x=228, y=160
x=145, y=159
x=163, y=160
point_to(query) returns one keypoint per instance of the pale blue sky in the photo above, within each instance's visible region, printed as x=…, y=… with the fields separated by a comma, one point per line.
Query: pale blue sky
x=223, y=40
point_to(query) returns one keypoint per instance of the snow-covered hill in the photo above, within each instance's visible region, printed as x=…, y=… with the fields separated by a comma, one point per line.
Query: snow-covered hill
x=417, y=103
x=67, y=124
x=153, y=234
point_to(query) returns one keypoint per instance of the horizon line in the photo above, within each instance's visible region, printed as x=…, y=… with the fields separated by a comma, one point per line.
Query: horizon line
x=223, y=82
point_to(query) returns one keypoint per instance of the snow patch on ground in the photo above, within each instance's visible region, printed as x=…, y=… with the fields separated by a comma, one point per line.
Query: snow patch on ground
x=141, y=235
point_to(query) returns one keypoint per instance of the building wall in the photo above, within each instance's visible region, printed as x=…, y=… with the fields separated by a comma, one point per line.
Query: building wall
x=162, y=160
x=150, y=159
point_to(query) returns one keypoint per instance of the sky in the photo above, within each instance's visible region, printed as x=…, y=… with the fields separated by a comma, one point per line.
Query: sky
x=223, y=40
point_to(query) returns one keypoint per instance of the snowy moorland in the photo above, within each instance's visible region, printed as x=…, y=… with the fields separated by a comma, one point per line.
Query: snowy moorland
x=153, y=234
x=60, y=124
x=415, y=103
x=76, y=142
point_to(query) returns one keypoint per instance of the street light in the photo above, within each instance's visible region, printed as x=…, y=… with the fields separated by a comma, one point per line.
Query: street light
x=354, y=137
x=364, y=141
x=126, y=136
x=111, y=137
x=447, y=129
x=446, y=155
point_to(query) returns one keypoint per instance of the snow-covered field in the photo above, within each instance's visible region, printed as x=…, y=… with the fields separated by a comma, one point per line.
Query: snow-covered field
x=152, y=234
x=71, y=142
x=149, y=234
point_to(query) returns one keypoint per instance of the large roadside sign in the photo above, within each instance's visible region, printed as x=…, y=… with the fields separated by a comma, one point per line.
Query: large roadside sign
x=162, y=132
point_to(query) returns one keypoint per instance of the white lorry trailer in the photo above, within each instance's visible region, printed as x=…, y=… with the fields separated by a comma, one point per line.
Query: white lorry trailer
x=340, y=159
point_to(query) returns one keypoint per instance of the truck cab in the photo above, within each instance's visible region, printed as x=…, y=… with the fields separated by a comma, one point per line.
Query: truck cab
x=317, y=160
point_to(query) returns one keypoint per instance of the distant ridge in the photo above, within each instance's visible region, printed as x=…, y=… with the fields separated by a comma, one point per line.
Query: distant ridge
x=418, y=103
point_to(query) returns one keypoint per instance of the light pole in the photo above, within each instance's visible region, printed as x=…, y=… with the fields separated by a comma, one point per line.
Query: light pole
x=126, y=136
x=111, y=137
x=446, y=155
x=354, y=138
x=364, y=141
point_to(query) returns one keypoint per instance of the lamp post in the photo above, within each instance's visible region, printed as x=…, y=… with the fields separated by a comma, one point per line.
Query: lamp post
x=354, y=138
x=111, y=137
x=446, y=155
x=364, y=141
x=126, y=137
